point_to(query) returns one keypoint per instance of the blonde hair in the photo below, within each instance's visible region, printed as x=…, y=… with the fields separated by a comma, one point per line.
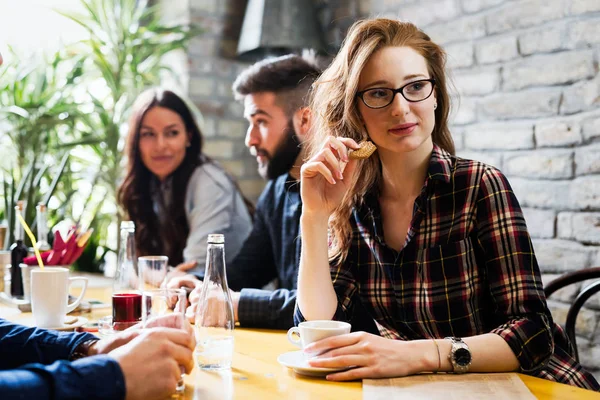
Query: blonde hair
x=333, y=102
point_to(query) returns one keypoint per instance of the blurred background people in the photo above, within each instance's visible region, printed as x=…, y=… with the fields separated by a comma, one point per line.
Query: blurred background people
x=174, y=193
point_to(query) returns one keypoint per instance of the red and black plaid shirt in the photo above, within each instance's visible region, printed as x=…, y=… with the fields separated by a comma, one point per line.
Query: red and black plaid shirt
x=467, y=268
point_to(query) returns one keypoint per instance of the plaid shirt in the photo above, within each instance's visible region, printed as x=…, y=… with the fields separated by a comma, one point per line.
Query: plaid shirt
x=467, y=268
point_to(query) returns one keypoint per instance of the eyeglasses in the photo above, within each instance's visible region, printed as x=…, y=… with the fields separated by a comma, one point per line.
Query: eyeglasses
x=382, y=97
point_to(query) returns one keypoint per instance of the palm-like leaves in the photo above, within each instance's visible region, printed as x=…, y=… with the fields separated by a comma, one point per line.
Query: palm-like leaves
x=35, y=103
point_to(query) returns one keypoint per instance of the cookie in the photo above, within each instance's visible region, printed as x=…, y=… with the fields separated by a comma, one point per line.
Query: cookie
x=366, y=149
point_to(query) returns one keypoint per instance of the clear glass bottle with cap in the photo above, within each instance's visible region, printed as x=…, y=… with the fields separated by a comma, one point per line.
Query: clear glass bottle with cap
x=214, y=315
x=42, y=227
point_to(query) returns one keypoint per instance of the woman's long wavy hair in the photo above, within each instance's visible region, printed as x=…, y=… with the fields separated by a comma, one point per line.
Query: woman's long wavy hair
x=335, y=111
x=135, y=194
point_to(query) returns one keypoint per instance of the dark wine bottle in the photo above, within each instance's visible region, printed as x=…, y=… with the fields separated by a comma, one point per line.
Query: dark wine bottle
x=18, y=251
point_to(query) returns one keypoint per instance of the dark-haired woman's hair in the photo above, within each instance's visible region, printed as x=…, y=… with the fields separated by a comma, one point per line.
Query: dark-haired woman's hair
x=135, y=195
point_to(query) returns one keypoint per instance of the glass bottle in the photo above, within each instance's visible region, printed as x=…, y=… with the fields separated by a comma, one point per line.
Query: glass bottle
x=214, y=314
x=127, y=296
x=18, y=251
x=42, y=227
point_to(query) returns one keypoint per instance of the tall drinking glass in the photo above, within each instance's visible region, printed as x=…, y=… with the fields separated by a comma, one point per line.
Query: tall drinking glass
x=127, y=297
x=159, y=303
x=153, y=270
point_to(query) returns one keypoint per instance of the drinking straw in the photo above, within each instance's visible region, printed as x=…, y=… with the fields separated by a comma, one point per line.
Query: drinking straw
x=33, y=242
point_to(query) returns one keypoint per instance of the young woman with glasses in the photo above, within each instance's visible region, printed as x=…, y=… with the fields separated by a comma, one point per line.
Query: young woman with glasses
x=175, y=194
x=433, y=247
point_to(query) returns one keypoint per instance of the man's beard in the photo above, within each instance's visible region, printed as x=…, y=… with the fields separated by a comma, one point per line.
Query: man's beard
x=284, y=156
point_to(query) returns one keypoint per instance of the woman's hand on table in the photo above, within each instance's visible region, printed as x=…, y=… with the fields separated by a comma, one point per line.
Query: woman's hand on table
x=372, y=356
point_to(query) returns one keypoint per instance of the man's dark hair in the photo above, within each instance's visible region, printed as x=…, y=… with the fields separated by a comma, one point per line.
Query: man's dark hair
x=290, y=77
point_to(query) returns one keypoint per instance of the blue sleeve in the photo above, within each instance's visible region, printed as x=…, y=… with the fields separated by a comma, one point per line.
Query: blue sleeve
x=254, y=266
x=267, y=309
x=21, y=345
x=97, y=377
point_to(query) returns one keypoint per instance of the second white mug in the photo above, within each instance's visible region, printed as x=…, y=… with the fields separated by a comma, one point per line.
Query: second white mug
x=49, y=296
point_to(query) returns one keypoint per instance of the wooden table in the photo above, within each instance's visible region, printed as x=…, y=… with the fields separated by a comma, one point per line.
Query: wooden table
x=256, y=374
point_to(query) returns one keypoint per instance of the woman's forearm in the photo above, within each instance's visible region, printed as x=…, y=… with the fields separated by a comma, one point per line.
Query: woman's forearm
x=489, y=353
x=316, y=296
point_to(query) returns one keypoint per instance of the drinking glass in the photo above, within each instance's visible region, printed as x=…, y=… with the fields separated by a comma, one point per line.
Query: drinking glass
x=161, y=302
x=153, y=270
x=127, y=296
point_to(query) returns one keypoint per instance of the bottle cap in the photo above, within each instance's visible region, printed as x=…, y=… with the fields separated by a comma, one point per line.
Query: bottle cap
x=216, y=238
x=127, y=225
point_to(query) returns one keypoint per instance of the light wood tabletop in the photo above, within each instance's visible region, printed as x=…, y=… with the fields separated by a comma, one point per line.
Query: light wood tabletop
x=256, y=374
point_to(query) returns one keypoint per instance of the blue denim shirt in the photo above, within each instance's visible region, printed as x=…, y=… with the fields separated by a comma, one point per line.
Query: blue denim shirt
x=272, y=251
x=33, y=366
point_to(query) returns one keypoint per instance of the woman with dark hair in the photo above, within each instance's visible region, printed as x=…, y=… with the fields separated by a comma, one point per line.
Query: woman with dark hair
x=433, y=246
x=175, y=194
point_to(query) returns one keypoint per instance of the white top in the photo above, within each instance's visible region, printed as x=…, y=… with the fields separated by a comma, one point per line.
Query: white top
x=213, y=205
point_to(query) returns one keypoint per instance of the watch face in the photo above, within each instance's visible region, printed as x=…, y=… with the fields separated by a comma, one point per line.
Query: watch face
x=462, y=357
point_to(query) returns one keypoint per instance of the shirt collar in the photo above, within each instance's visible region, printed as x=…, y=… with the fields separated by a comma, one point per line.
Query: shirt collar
x=440, y=165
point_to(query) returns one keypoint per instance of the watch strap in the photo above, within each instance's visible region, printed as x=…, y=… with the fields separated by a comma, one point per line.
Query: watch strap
x=82, y=350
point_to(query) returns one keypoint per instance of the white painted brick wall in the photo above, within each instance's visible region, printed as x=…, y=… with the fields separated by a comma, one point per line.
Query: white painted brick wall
x=543, y=164
x=540, y=223
x=478, y=83
x=543, y=40
x=496, y=50
x=545, y=194
x=557, y=133
x=493, y=158
x=559, y=256
x=587, y=160
x=585, y=193
x=460, y=55
x=591, y=128
x=524, y=14
x=472, y=6
x=551, y=69
x=531, y=103
x=581, y=96
x=581, y=226
x=504, y=136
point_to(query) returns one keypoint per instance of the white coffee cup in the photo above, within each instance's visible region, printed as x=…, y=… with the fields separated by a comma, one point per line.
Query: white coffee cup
x=313, y=331
x=49, y=296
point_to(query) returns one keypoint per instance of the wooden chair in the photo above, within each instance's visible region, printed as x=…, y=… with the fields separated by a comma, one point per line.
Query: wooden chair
x=582, y=297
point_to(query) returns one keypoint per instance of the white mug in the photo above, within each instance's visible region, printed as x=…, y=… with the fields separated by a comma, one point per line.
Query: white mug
x=49, y=296
x=313, y=331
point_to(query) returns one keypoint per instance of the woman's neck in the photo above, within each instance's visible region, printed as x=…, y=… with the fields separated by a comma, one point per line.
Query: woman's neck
x=404, y=174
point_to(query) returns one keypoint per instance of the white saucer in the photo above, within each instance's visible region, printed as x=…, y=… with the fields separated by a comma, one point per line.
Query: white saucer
x=71, y=323
x=298, y=362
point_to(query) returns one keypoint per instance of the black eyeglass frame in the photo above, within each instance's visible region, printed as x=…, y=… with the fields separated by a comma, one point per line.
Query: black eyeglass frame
x=396, y=91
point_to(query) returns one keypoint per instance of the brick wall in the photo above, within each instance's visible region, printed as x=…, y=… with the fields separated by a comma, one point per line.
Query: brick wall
x=527, y=74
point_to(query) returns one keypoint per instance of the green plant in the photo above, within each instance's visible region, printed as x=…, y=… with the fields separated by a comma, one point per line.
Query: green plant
x=29, y=190
x=36, y=104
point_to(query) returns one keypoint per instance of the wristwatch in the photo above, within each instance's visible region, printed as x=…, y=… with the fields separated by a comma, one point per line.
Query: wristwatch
x=82, y=350
x=460, y=355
